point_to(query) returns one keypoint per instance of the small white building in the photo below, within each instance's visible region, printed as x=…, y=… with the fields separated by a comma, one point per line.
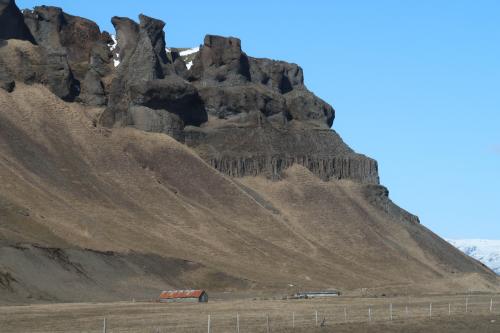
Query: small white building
x=317, y=294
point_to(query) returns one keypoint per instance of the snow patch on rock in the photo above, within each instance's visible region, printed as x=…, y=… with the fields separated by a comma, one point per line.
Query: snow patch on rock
x=189, y=51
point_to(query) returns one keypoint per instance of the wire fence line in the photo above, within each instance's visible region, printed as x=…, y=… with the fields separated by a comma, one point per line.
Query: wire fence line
x=317, y=314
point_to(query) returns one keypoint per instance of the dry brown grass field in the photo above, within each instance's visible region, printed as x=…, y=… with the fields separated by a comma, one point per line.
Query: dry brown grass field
x=342, y=314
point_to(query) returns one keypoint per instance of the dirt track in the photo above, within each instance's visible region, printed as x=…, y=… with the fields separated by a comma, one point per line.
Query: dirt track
x=339, y=315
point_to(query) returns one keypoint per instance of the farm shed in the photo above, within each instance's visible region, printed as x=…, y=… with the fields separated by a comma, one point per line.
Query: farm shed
x=317, y=294
x=183, y=296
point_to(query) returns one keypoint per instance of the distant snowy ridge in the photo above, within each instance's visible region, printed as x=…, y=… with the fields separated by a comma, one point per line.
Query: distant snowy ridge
x=485, y=250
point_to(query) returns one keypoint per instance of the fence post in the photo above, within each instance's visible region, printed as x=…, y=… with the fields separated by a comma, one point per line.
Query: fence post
x=267, y=323
x=491, y=305
x=316, y=315
x=208, y=324
x=466, y=304
x=293, y=319
x=369, y=314
x=406, y=310
x=345, y=314
x=104, y=325
x=237, y=323
x=430, y=310
x=390, y=311
x=449, y=309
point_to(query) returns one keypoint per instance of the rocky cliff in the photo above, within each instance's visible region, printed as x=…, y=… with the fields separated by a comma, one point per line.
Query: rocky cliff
x=118, y=157
x=244, y=115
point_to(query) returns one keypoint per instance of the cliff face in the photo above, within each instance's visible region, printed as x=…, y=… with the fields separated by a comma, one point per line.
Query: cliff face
x=123, y=169
x=245, y=116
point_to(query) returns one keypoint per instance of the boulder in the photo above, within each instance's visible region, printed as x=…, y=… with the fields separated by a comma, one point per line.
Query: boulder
x=12, y=24
x=8, y=85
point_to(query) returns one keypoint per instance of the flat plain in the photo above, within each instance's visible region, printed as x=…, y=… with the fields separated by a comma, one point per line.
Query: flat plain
x=440, y=313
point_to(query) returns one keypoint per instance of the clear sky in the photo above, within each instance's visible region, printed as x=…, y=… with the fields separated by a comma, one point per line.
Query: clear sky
x=416, y=85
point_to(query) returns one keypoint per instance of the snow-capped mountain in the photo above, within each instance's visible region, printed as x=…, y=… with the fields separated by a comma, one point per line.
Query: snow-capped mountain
x=485, y=250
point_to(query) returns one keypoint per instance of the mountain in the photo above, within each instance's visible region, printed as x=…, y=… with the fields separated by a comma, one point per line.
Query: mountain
x=123, y=171
x=485, y=250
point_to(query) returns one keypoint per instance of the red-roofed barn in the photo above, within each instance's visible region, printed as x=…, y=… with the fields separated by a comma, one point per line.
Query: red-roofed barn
x=183, y=296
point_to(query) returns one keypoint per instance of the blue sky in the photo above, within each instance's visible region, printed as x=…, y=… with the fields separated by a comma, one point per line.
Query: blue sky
x=416, y=85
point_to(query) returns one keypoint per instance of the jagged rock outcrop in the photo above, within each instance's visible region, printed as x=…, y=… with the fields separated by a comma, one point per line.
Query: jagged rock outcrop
x=24, y=62
x=244, y=115
x=277, y=75
x=304, y=106
x=265, y=119
x=146, y=92
x=227, y=101
x=56, y=30
x=83, y=44
x=172, y=94
x=378, y=196
x=221, y=60
x=71, y=55
x=157, y=121
x=12, y=24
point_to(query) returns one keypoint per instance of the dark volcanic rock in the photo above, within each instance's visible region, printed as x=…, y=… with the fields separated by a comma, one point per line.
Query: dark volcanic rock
x=225, y=101
x=78, y=40
x=12, y=24
x=93, y=92
x=24, y=62
x=221, y=59
x=8, y=86
x=276, y=75
x=378, y=196
x=159, y=121
x=60, y=32
x=154, y=30
x=305, y=106
x=127, y=34
x=106, y=38
x=147, y=77
x=172, y=94
x=58, y=74
x=263, y=148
